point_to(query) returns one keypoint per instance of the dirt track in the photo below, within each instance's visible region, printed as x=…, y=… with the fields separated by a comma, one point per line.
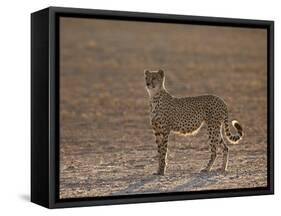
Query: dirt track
x=107, y=145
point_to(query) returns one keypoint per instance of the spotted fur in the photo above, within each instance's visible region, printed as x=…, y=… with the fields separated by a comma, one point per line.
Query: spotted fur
x=186, y=116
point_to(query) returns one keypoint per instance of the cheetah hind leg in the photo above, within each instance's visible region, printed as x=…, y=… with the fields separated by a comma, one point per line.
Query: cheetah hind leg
x=214, y=135
x=225, y=155
x=212, y=159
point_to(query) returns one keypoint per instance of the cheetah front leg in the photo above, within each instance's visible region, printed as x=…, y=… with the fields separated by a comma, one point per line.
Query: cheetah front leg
x=162, y=145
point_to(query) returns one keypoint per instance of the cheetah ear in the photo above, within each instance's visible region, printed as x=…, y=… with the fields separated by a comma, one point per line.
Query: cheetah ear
x=146, y=72
x=161, y=72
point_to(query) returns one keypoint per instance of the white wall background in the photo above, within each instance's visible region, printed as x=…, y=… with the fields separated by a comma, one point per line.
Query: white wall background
x=15, y=106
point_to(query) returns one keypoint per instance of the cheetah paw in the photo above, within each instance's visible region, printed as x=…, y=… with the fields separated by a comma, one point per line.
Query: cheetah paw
x=159, y=173
x=222, y=171
x=204, y=170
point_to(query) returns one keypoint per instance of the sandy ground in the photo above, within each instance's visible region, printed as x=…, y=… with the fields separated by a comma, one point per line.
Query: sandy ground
x=107, y=145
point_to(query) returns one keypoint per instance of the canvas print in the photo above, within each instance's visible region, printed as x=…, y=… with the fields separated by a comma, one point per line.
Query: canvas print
x=149, y=107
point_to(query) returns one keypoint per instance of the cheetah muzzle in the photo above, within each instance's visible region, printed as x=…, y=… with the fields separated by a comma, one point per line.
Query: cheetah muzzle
x=186, y=116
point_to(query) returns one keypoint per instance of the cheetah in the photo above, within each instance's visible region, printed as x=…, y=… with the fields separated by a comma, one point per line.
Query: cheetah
x=186, y=116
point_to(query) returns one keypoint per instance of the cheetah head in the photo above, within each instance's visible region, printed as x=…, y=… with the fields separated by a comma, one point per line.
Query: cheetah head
x=154, y=80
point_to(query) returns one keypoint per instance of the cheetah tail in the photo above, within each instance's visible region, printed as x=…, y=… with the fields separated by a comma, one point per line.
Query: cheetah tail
x=233, y=139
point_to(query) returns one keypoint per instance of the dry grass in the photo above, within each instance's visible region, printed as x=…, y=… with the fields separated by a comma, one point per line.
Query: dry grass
x=107, y=145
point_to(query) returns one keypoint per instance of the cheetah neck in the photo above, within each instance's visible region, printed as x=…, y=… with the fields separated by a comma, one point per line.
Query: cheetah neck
x=156, y=95
x=153, y=92
x=155, y=99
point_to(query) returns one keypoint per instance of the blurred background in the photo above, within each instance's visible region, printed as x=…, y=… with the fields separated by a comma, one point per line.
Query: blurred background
x=107, y=145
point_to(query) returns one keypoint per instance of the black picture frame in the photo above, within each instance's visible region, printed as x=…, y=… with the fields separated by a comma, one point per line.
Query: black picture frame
x=45, y=106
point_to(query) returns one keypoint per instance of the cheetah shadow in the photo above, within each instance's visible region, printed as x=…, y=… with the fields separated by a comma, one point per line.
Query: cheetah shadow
x=198, y=180
x=137, y=185
x=195, y=180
